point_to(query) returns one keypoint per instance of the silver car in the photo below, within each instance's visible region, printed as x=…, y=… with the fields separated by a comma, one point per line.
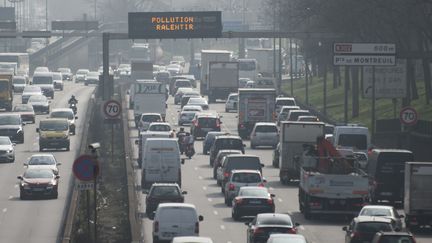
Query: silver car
x=7, y=150
x=264, y=134
x=241, y=178
x=186, y=117
x=231, y=102
x=43, y=161
x=383, y=211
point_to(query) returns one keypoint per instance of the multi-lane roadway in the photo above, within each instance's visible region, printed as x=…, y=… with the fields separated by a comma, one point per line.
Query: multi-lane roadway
x=206, y=195
x=40, y=220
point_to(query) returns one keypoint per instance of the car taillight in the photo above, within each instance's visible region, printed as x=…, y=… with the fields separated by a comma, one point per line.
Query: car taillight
x=261, y=184
x=242, y=126
x=217, y=123
x=156, y=226
x=196, y=228
x=258, y=231
x=270, y=201
x=355, y=235
x=231, y=187
x=292, y=231
x=226, y=174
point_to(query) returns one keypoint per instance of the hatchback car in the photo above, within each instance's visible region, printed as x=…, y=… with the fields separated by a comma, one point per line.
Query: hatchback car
x=30, y=91
x=265, y=224
x=38, y=182
x=40, y=104
x=68, y=114
x=286, y=238
x=238, y=179
x=146, y=118
x=363, y=228
x=204, y=123
x=182, y=83
x=81, y=75
x=252, y=200
x=159, y=127
x=231, y=102
x=19, y=83
x=284, y=101
x=162, y=193
x=225, y=142
x=393, y=237
x=11, y=125
x=26, y=111
x=237, y=162
x=208, y=140
x=383, y=211
x=186, y=97
x=219, y=157
x=264, y=134
x=199, y=101
x=7, y=149
x=43, y=161
x=186, y=117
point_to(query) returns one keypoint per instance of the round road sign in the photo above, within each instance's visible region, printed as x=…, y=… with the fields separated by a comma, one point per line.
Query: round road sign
x=112, y=109
x=85, y=168
x=408, y=116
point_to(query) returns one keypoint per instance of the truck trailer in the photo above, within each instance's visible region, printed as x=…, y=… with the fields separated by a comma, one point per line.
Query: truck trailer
x=223, y=80
x=208, y=56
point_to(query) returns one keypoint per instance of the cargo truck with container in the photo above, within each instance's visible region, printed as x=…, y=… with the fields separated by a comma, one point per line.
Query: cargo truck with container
x=265, y=60
x=223, y=80
x=6, y=91
x=418, y=194
x=292, y=139
x=255, y=105
x=208, y=56
x=331, y=182
x=148, y=97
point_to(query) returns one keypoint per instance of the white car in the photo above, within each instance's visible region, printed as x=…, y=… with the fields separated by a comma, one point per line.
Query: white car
x=147, y=118
x=175, y=219
x=199, y=101
x=241, y=178
x=191, y=239
x=231, y=102
x=7, y=149
x=43, y=161
x=58, y=80
x=81, y=75
x=30, y=91
x=159, y=127
x=264, y=134
x=68, y=114
x=383, y=211
x=196, y=108
x=186, y=117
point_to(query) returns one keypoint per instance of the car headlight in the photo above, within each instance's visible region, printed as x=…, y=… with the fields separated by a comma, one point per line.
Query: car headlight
x=19, y=130
x=43, y=135
x=25, y=185
x=10, y=151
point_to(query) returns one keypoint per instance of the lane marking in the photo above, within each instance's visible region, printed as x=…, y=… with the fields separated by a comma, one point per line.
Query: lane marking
x=280, y=199
x=215, y=212
x=210, y=200
x=222, y=227
x=204, y=188
x=200, y=177
x=196, y=168
x=4, y=210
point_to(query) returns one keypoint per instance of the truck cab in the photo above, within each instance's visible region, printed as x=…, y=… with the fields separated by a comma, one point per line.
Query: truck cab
x=352, y=137
x=53, y=133
x=6, y=95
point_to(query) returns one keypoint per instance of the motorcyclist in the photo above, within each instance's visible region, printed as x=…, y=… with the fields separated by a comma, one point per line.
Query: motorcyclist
x=180, y=136
x=72, y=100
x=189, y=145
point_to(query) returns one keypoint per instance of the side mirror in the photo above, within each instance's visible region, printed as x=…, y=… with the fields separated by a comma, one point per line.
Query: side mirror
x=14, y=144
x=57, y=177
x=20, y=177
x=344, y=228
x=265, y=180
x=37, y=129
x=137, y=142
x=272, y=195
x=184, y=192
x=200, y=218
x=59, y=163
x=262, y=165
x=25, y=164
x=297, y=224
x=76, y=118
x=182, y=161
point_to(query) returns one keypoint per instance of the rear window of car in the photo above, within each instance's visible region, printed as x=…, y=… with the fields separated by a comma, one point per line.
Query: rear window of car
x=371, y=227
x=151, y=118
x=275, y=221
x=207, y=122
x=178, y=215
x=294, y=115
x=393, y=163
x=266, y=129
x=243, y=163
x=182, y=84
x=167, y=191
x=245, y=177
x=280, y=103
x=396, y=239
x=229, y=143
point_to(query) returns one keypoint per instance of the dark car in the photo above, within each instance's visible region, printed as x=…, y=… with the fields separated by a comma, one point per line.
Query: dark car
x=162, y=193
x=393, y=237
x=219, y=157
x=38, y=182
x=238, y=162
x=275, y=156
x=225, y=142
x=40, y=104
x=264, y=224
x=26, y=111
x=208, y=140
x=252, y=200
x=204, y=123
x=11, y=125
x=363, y=228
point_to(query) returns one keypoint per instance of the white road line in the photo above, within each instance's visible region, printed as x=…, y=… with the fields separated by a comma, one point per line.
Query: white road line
x=196, y=168
x=204, y=188
x=200, y=177
x=215, y=212
x=271, y=189
x=222, y=227
x=209, y=199
x=4, y=210
x=280, y=199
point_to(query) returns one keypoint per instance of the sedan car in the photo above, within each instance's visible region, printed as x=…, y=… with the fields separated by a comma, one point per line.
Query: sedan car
x=58, y=80
x=7, y=149
x=186, y=117
x=231, y=102
x=26, y=111
x=66, y=73
x=199, y=101
x=40, y=104
x=383, y=211
x=264, y=134
x=29, y=91
x=11, y=125
x=252, y=200
x=363, y=228
x=92, y=78
x=43, y=161
x=66, y=113
x=286, y=238
x=265, y=224
x=162, y=193
x=81, y=75
x=38, y=182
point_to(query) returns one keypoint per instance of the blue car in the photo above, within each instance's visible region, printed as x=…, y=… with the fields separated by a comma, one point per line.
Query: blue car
x=208, y=141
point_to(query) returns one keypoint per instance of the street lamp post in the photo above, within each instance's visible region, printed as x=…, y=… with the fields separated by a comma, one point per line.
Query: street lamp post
x=46, y=14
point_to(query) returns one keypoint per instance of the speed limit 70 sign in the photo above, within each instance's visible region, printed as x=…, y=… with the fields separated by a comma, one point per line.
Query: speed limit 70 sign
x=112, y=109
x=408, y=116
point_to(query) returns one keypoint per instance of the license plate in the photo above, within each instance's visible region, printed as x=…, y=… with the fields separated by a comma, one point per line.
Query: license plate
x=386, y=193
x=38, y=189
x=168, y=234
x=255, y=202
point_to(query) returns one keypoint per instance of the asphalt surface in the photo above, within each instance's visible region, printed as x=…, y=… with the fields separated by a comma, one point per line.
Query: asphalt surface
x=207, y=197
x=39, y=220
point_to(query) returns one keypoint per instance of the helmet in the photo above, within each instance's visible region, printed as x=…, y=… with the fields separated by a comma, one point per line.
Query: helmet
x=181, y=129
x=73, y=96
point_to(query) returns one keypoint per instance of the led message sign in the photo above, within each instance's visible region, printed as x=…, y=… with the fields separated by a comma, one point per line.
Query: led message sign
x=175, y=25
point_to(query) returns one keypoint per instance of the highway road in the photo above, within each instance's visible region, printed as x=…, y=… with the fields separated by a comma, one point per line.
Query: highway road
x=206, y=195
x=39, y=221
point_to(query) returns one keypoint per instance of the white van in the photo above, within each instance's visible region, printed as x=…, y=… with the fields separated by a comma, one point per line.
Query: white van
x=143, y=136
x=161, y=162
x=175, y=219
x=352, y=137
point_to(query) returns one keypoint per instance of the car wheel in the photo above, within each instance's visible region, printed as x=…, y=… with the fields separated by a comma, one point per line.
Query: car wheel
x=218, y=182
x=235, y=216
x=40, y=148
x=12, y=160
x=55, y=195
x=22, y=196
x=68, y=148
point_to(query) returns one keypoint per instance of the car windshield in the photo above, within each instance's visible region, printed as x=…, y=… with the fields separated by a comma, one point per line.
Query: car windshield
x=62, y=114
x=150, y=118
x=188, y=115
x=19, y=81
x=42, y=160
x=376, y=212
x=358, y=141
x=372, y=227
x=246, y=178
x=30, y=174
x=253, y=192
x=167, y=191
x=10, y=120
x=160, y=128
x=53, y=126
x=5, y=141
x=396, y=239
x=23, y=108
x=293, y=116
x=57, y=76
x=42, y=79
x=64, y=70
x=266, y=129
x=82, y=72
x=229, y=143
x=37, y=98
x=286, y=221
x=31, y=89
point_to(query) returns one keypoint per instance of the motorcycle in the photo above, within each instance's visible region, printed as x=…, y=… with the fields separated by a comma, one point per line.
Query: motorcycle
x=190, y=151
x=73, y=107
x=181, y=143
